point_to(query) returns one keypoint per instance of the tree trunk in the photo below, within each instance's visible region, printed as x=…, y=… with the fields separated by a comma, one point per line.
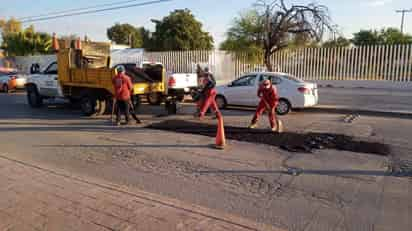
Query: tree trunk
x=268, y=64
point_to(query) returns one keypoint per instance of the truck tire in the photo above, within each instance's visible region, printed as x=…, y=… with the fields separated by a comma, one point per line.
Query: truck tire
x=34, y=98
x=90, y=106
x=5, y=88
x=171, y=107
x=154, y=98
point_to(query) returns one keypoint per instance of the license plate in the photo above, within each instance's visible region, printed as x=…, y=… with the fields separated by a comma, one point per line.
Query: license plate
x=49, y=83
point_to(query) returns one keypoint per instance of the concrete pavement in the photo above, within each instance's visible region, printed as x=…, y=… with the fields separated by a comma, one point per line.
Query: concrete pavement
x=335, y=191
x=40, y=198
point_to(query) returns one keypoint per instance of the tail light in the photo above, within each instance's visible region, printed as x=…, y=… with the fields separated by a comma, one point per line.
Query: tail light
x=304, y=90
x=172, y=82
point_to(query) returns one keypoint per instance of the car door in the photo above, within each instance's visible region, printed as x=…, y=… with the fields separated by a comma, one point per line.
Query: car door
x=242, y=90
x=50, y=82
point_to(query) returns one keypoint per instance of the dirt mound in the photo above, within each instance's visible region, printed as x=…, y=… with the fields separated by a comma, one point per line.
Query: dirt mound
x=293, y=142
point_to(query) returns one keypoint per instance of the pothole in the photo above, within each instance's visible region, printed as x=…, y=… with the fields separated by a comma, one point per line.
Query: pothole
x=293, y=142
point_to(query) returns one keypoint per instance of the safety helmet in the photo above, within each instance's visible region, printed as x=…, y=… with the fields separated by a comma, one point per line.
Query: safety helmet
x=120, y=69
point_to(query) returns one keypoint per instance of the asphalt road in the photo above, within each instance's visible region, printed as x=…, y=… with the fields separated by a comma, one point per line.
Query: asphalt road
x=367, y=99
x=334, y=191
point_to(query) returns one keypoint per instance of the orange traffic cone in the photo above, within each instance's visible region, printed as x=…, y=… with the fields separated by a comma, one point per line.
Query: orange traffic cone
x=55, y=43
x=220, y=136
x=78, y=44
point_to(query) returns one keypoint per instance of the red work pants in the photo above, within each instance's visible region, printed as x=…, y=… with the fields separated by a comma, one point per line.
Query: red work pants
x=209, y=101
x=260, y=109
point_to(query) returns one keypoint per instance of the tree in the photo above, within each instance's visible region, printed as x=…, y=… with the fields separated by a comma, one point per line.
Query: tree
x=180, y=31
x=271, y=25
x=394, y=36
x=389, y=36
x=10, y=26
x=366, y=37
x=125, y=34
x=339, y=42
x=27, y=42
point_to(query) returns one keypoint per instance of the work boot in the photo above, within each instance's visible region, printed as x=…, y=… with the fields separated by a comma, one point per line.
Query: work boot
x=253, y=125
x=279, y=126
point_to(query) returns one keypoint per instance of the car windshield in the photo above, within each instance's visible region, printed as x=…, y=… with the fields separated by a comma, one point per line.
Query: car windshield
x=292, y=78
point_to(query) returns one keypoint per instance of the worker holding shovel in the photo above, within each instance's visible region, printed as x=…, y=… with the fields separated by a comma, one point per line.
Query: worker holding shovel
x=268, y=102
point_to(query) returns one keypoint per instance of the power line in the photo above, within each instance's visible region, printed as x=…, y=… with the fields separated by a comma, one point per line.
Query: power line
x=95, y=11
x=403, y=12
x=75, y=9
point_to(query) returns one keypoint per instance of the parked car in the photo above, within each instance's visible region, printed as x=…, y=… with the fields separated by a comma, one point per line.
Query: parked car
x=11, y=80
x=293, y=92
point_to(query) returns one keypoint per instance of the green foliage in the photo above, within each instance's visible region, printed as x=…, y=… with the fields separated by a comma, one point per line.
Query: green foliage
x=126, y=34
x=17, y=42
x=339, y=42
x=180, y=31
x=389, y=36
x=10, y=26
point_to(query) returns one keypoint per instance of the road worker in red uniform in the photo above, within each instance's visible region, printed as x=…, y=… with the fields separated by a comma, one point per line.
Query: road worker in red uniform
x=268, y=102
x=123, y=88
x=209, y=93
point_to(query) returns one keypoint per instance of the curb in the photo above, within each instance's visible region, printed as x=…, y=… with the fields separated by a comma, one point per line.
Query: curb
x=360, y=111
x=169, y=202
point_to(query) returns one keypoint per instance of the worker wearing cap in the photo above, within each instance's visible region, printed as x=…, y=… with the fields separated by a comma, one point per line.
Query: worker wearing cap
x=268, y=102
x=122, y=87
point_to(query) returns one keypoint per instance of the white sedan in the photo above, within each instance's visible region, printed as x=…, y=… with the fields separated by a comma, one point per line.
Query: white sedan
x=293, y=92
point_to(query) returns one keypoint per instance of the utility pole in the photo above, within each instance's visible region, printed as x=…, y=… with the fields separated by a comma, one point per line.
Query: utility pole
x=403, y=12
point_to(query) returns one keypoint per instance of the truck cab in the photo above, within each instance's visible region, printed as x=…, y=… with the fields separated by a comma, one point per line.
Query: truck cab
x=43, y=84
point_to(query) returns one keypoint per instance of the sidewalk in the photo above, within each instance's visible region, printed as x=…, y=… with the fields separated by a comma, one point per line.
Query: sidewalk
x=38, y=198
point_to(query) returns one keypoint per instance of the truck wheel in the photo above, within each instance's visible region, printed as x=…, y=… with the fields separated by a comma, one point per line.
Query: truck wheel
x=6, y=88
x=171, y=108
x=154, y=99
x=90, y=106
x=101, y=107
x=34, y=98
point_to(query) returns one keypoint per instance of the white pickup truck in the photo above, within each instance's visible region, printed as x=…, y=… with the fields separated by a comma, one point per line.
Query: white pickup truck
x=43, y=85
x=181, y=84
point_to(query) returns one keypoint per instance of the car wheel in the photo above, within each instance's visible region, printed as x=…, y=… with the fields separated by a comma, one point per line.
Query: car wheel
x=34, y=98
x=154, y=99
x=221, y=102
x=283, y=107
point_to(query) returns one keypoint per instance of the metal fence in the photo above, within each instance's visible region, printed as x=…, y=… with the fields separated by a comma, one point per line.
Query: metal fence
x=380, y=62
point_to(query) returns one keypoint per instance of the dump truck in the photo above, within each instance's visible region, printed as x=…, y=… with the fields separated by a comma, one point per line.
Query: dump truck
x=82, y=74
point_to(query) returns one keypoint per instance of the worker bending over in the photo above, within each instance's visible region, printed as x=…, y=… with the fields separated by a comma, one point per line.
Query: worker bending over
x=268, y=102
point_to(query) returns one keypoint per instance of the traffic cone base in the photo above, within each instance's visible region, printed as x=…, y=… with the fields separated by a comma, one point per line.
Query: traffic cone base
x=220, y=136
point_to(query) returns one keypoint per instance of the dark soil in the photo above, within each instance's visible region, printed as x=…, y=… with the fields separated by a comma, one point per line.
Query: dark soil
x=293, y=142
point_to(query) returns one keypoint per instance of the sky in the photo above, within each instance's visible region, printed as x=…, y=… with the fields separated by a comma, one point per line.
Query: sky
x=215, y=15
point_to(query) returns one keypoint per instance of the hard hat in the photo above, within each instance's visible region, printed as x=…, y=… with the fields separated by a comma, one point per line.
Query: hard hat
x=120, y=69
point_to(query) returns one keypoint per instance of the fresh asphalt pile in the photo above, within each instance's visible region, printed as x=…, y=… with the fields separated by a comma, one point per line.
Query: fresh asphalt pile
x=289, y=141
